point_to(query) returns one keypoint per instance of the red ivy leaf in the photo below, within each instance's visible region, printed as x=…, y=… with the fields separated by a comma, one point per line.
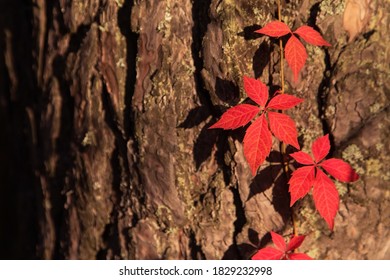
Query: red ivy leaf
x=320, y=148
x=282, y=251
x=295, y=242
x=295, y=51
x=326, y=197
x=256, y=90
x=275, y=29
x=284, y=102
x=311, y=36
x=258, y=137
x=302, y=158
x=340, y=170
x=268, y=253
x=295, y=55
x=283, y=127
x=298, y=256
x=237, y=116
x=325, y=194
x=257, y=143
x=279, y=242
x=301, y=182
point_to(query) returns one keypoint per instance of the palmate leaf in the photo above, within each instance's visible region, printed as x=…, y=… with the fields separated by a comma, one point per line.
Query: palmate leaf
x=325, y=194
x=295, y=51
x=282, y=251
x=258, y=137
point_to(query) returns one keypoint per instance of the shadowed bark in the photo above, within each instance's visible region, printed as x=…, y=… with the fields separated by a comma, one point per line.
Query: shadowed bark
x=105, y=107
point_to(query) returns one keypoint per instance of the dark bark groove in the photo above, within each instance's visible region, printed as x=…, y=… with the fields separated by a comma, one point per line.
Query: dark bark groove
x=105, y=108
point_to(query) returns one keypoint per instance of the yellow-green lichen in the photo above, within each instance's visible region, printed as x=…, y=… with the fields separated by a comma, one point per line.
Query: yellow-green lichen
x=120, y=3
x=331, y=8
x=376, y=107
x=309, y=219
x=258, y=13
x=89, y=139
x=164, y=216
x=103, y=27
x=185, y=187
x=330, y=111
x=379, y=147
x=314, y=253
x=353, y=155
x=375, y=168
x=341, y=188
x=165, y=24
x=309, y=133
x=235, y=49
x=315, y=55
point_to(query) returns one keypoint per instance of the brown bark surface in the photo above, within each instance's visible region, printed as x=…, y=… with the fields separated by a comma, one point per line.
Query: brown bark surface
x=104, y=109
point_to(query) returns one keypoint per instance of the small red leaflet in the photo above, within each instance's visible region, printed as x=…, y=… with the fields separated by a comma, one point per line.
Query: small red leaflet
x=325, y=195
x=311, y=36
x=282, y=251
x=295, y=52
x=237, y=116
x=258, y=137
x=275, y=29
x=295, y=55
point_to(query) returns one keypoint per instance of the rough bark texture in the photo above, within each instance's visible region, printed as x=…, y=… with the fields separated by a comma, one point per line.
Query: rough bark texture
x=104, y=109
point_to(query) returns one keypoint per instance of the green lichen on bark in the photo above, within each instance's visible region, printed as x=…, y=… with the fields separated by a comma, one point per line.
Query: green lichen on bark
x=354, y=156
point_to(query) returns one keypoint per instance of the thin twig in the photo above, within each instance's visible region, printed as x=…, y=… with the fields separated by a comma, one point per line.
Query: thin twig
x=283, y=147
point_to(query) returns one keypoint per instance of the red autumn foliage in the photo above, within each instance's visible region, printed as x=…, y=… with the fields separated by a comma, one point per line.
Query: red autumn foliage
x=282, y=251
x=258, y=137
x=325, y=195
x=295, y=51
x=264, y=122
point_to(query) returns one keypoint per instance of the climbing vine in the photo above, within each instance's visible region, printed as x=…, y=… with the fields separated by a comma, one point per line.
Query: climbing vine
x=267, y=118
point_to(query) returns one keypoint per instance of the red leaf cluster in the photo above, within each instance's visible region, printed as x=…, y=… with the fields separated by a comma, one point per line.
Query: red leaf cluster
x=258, y=137
x=295, y=51
x=325, y=195
x=282, y=251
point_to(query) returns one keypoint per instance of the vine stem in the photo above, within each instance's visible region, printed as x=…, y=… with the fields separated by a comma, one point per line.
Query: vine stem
x=281, y=51
x=283, y=145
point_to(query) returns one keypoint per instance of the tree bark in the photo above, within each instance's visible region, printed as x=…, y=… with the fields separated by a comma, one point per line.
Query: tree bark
x=105, y=109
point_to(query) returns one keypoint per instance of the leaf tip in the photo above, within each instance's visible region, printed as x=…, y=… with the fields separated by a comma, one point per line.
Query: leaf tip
x=354, y=176
x=254, y=170
x=295, y=144
x=293, y=199
x=330, y=224
x=326, y=43
x=217, y=125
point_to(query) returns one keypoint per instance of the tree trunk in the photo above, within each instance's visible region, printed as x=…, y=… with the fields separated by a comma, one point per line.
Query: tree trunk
x=105, y=107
